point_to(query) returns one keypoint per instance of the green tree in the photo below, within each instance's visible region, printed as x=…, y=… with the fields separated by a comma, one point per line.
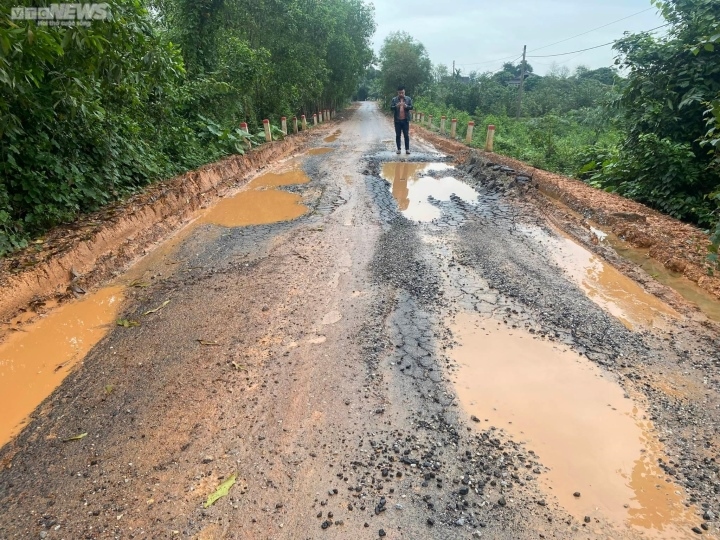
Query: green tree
x=667, y=157
x=403, y=61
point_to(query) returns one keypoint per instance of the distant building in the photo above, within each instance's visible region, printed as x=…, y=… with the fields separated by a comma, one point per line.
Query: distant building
x=516, y=81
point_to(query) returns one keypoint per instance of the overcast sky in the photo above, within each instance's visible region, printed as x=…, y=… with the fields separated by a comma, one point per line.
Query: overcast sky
x=479, y=34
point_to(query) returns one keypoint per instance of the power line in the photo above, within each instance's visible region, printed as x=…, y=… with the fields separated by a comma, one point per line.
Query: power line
x=491, y=61
x=591, y=48
x=567, y=39
x=593, y=30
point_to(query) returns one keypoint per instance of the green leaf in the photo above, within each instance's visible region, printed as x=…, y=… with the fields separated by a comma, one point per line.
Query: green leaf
x=221, y=491
x=76, y=437
x=126, y=323
x=165, y=303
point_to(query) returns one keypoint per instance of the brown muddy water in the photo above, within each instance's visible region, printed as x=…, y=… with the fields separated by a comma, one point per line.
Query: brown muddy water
x=36, y=358
x=333, y=137
x=690, y=291
x=602, y=283
x=411, y=188
x=577, y=420
x=320, y=150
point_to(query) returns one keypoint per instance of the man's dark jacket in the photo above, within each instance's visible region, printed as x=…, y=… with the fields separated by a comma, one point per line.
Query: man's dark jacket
x=396, y=109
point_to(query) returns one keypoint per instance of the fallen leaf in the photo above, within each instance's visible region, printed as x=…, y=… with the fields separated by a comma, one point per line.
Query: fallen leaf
x=203, y=342
x=221, y=491
x=165, y=303
x=76, y=437
x=138, y=283
x=109, y=388
x=238, y=366
x=127, y=323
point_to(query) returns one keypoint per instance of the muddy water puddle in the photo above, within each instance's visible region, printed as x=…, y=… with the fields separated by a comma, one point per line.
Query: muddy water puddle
x=259, y=204
x=690, y=291
x=333, y=137
x=606, y=286
x=36, y=358
x=411, y=188
x=320, y=151
x=576, y=419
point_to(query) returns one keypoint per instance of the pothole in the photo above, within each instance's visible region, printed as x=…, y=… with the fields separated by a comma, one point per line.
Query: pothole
x=333, y=137
x=320, y=150
x=592, y=438
x=606, y=286
x=35, y=360
x=412, y=187
x=676, y=281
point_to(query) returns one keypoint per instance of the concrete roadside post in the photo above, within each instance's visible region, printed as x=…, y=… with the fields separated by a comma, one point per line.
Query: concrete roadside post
x=244, y=127
x=430, y=121
x=266, y=125
x=453, y=127
x=320, y=117
x=490, y=138
x=314, y=119
x=304, y=122
x=471, y=127
x=295, y=125
x=283, y=124
x=442, y=124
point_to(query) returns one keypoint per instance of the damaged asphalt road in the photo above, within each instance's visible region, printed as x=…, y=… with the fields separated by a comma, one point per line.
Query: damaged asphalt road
x=313, y=359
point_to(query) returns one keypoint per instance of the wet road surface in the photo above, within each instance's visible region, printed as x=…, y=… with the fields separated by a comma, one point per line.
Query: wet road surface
x=370, y=347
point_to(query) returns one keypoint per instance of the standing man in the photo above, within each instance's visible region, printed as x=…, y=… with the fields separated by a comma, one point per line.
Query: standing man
x=401, y=106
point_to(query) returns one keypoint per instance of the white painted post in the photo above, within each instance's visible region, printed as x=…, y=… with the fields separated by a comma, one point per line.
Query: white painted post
x=268, y=135
x=490, y=138
x=315, y=119
x=320, y=116
x=471, y=127
x=430, y=121
x=453, y=127
x=244, y=127
x=295, y=125
x=442, y=124
x=304, y=122
x=283, y=124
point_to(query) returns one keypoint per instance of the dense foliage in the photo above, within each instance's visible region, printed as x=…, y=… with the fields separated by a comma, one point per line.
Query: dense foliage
x=91, y=113
x=652, y=135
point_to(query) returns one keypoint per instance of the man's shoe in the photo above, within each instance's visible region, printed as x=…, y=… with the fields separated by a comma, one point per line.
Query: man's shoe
x=407, y=152
x=398, y=151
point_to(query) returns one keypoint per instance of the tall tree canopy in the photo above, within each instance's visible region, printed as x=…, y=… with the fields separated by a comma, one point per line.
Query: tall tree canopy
x=403, y=61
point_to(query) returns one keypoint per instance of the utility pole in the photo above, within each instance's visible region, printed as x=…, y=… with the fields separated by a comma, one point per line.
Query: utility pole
x=522, y=83
x=453, y=69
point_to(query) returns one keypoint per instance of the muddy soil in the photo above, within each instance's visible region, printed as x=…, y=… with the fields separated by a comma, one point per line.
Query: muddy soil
x=679, y=247
x=316, y=360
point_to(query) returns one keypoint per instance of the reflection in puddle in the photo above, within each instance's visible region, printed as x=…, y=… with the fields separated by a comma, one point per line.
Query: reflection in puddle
x=577, y=421
x=33, y=362
x=321, y=150
x=609, y=288
x=411, y=190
